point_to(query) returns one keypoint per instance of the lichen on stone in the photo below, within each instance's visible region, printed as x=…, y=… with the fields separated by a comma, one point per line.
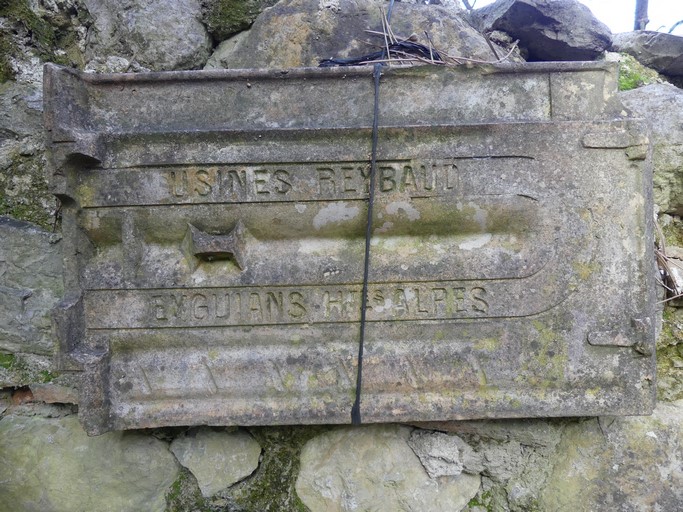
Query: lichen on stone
x=24, y=192
x=184, y=494
x=223, y=18
x=670, y=356
x=51, y=36
x=272, y=486
x=22, y=369
x=632, y=74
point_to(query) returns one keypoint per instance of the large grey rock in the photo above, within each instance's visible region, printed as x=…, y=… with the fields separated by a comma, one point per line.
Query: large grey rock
x=548, y=29
x=657, y=50
x=157, y=35
x=224, y=18
x=30, y=285
x=21, y=106
x=297, y=33
x=439, y=453
x=516, y=457
x=217, y=459
x=50, y=465
x=662, y=105
x=374, y=468
x=23, y=184
x=630, y=464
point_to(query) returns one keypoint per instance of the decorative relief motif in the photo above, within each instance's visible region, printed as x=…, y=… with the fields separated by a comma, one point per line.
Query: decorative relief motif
x=214, y=251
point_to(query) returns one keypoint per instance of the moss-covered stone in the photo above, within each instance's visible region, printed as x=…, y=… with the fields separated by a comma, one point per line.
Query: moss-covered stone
x=481, y=501
x=218, y=458
x=5, y=51
x=623, y=463
x=224, y=18
x=670, y=356
x=52, y=38
x=632, y=74
x=18, y=370
x=184, y=494
x=272, y=485
x=51, y=464
x=7, y=360
x=672, y=227
x=41, y=33
x=24, y=192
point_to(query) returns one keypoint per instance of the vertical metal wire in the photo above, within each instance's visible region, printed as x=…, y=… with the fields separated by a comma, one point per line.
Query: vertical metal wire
x=355, y=410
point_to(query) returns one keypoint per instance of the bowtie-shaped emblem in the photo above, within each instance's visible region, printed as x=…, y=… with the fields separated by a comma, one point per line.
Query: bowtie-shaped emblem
x=204, y=246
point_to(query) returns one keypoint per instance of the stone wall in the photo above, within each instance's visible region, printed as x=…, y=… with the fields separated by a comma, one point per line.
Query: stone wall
x=49, y=464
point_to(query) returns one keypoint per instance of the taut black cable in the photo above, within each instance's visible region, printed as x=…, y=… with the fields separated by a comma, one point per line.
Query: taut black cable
x=355, y=410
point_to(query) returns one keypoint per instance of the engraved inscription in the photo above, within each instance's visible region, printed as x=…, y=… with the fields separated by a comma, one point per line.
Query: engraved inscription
x=283, y=182
x=405, y=302
x=281, y=305
x=263, y=306
x=228, y=182
x=228, y=307
x=415, y=178
x=333, y=180
x=216, y=254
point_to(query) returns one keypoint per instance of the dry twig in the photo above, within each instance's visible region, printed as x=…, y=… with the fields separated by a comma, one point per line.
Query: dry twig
x=405, y=50
x=665, y=263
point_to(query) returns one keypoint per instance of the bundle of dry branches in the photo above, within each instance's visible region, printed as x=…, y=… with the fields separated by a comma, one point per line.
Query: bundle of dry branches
x=406, y=50
x=666, y=268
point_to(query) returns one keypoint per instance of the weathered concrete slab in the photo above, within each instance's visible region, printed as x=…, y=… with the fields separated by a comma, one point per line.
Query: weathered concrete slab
x=215, y=230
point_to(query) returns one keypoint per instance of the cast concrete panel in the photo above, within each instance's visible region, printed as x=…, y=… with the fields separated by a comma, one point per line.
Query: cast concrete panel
x=214, y=224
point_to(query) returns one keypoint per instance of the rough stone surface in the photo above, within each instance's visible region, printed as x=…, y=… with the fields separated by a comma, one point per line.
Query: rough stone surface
x=50, y=465
x=515, y=458
x=302, y=32
x=23, y=181
x=657, y=50
x=224, y=18
x=374, y=468
x=632, y=74
x=661, y=105
x=40, y=31
x=670, y=350
x=439, y=453
x=51, y=393
x=548, y=30
x=500, y=228
x=629, y=464
x=30, y=285
x=22, y=369
x=156, y=35
x=217, y=459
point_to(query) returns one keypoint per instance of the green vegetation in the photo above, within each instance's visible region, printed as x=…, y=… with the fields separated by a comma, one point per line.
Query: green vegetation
x=227, y=17
x=270, y=487
x=19, y=372
x=185, y=495
x=5, y=52
x=673, y=233
x=24, y=192
x=7, y=361
x=633, y=74
x=670, y=356
x=46, y=376
x=45, y=37
x=483, y=500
